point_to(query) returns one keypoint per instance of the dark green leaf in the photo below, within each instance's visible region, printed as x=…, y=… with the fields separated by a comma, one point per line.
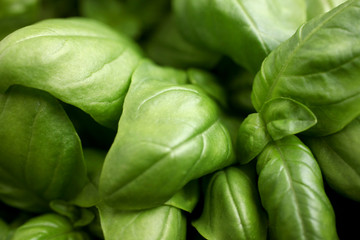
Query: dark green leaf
x=292, y=192
x=319, y=67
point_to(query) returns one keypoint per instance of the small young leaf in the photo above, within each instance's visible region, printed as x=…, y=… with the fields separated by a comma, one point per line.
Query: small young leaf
x=252, y=138
x=284, y=117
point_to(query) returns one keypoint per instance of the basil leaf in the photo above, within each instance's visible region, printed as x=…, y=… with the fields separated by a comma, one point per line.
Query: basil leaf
x=187, y=198
x=247, y=31
x=40, y=155
x=166, y=46
x=70, y=58
x=318, y=67
x=232, y=208
x=4, y=230
x=318, y=7
x=89, y=196
x=48, y=226
x=284, y=117
x=180, y=134
x=252, y=138
x=164, y=222
x=292, y=192
x=339, y=159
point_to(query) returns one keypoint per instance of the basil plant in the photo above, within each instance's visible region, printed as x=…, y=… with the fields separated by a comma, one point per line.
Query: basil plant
x=123, y=122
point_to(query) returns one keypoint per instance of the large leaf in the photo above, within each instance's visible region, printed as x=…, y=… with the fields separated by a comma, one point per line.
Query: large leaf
x=246, y=31
x=317, y=7
x=339, y=159
x=232, y=208
x=48, y=226
x=169, y=134
x=40, y=153
x=166, y=46
x=79, y=61
x=164, y=222
x=319, y=67
x=292, y=192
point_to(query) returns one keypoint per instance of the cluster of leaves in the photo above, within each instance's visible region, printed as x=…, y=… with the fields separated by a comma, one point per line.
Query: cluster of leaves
x=182, y=119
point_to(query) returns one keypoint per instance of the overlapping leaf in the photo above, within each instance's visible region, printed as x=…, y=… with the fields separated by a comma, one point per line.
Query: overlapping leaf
x=40, y=154
x=170, y=133
x=292, y=192
x=79, y=61
x=319, y=67
x=232, y=208
x=339, y=159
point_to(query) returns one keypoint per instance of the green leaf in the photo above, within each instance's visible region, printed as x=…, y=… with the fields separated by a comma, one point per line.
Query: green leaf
x=48, y=226
x=169, y=134
x=247, y=31
x=318, y=67
x=232, y=208
x=252, y=138
x=208, y=83
x=317, y=7
x=4, y=230
x=339, y=158
x=78, y=216
x=69, y=58
x=164, y=222
x=284, y=117
x=17, y=14
x=292, y=192
x=40, y=155
x=166, y=46
x=187, y=198
x=89, y=196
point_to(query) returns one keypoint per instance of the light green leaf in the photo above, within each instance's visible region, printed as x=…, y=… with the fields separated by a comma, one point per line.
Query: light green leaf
x=48, y=226
x=232, y=208
x=292, y=192
x=246, y=31
x=40, y=155
x=169, y=134
x=284, y=117
x=339, y=158
x=252, y=138
x=187, y=198
x=70, y=58
x=317, y=7
x=164, y=222
x=319, y=67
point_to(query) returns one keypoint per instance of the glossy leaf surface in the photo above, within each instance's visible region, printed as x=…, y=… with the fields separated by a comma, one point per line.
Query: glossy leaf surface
x=246, y=31
x=319, y=67
x=40, y=155
x=232, y=208
x=292, y=192
x=180, y=134
x=339, y=159
x=164, y=222
x=252, y=138
x=284, y=117
x=48, y=226
x=70, y=58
